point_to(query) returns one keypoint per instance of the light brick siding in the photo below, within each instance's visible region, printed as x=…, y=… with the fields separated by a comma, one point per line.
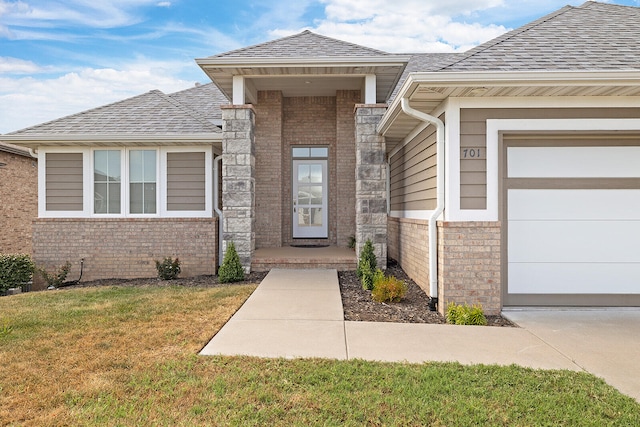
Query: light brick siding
x=18, y=202
x=269, y=174
x=469, y=264
x=125, y=248
x=408, y=243
x=285, y=122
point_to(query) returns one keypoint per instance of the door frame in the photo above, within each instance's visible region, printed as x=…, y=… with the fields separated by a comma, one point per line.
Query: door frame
x=321, y=232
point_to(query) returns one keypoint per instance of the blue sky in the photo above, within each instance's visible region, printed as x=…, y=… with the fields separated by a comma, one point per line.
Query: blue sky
x=59, y=57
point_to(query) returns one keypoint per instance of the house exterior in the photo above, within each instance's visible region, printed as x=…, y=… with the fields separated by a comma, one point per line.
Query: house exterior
x=506, y=176
x=19, y=199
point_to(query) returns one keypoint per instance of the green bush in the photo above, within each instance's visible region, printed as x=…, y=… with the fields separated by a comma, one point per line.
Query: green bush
x=15, y=270
x=465, y=315
x=231, y=269
x=168, y=269
x=367, y=265
x=57, y=277
x=388, y=289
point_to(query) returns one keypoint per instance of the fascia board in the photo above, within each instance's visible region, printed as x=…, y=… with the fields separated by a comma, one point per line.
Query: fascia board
x=115, y=139
x=302, y=62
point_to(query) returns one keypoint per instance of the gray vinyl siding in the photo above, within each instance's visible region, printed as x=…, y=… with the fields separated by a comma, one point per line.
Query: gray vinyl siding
x=186, y=181
x=413, y=174
x=63, y=182
x=473, y=130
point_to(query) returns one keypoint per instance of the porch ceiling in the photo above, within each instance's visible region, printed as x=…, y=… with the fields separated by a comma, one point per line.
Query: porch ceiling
x=427, y=91
x=307, y=76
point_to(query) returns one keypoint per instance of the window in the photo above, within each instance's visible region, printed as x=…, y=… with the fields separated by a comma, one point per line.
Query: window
x=106, y=181
x=171, y=182
x=142, y=182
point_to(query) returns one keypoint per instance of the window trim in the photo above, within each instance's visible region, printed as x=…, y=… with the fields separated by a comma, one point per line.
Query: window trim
x=161, y=183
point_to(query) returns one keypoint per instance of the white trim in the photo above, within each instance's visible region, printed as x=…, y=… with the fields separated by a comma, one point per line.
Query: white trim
x=119, y=140
x=370, y=89
x=238, y=90
x=42, y=185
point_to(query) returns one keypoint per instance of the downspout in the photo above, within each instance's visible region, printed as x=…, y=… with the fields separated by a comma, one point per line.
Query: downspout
x=216, y=192
x=433, y=230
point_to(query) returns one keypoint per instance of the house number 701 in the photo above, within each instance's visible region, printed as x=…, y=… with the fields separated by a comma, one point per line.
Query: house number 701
x=472, y=153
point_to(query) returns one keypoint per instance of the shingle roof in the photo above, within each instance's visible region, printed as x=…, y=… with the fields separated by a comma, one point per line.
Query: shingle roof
x=425, y=62
x=203, y=99
x=149, y=113
x=593, y=36
x=302, y=45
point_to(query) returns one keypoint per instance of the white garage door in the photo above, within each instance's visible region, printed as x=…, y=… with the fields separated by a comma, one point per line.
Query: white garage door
x=573, y=232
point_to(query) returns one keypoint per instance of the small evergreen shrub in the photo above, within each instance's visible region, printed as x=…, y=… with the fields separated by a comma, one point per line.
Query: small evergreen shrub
x=231, y=269
x=168, y=269
x=389, y=289
x=465, y=314
x=57, y=277
x=367, y=265
x=15, y=270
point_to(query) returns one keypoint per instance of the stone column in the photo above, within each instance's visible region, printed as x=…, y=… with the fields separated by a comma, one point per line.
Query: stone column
x=371, y=182
x=238, y=180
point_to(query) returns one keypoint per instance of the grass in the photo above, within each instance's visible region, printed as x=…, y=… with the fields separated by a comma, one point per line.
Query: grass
x=122, y=356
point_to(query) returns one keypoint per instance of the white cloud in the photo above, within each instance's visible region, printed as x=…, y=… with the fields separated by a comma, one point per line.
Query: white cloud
x=10, y=65
x=164, y=4
x=28, y=101
x=413, y=26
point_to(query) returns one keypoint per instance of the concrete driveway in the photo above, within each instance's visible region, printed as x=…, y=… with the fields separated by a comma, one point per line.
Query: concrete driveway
x=603, y=342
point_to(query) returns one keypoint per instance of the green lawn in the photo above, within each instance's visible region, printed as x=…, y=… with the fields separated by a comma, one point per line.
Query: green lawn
x=127, y=356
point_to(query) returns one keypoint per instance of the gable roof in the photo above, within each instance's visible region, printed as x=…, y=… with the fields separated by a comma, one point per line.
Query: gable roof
x=147, y=115
x=593, y=36
x=305, y=44
x=204, y=100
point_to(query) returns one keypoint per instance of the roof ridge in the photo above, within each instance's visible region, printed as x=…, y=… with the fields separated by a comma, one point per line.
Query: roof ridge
x=599, y=3
x=292, y=36
x=193, y=113
x=510, y=34
x=81, y=113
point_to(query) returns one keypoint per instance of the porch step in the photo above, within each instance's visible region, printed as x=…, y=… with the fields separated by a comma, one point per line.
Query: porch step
x=342, y=259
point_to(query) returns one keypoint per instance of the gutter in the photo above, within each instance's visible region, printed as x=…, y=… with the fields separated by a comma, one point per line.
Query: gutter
x=216, y=192
x=433, y=230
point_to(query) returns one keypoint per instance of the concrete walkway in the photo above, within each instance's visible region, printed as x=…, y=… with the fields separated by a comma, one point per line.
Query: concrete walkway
x=298, y=313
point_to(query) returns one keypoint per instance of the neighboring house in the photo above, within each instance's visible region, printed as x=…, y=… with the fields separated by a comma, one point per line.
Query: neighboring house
x=511, y=170
x=18, y=198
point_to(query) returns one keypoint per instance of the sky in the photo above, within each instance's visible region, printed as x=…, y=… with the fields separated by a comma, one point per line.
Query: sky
x=60, y=57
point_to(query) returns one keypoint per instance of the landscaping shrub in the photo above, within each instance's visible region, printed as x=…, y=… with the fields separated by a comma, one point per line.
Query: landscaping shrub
x=15, y=270
x=57, y=277
x=168, y=269
x=465, y=315
x=231, y=269
x=367, y=265
x=389, y=289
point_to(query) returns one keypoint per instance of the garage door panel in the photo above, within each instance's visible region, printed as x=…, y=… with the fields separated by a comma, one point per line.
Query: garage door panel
x=573, y=204
x=573, y=278
x=573, y=162
x=573, y=241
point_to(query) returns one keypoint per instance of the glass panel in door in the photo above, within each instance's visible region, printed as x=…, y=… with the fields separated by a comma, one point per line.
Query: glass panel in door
x=310, y=199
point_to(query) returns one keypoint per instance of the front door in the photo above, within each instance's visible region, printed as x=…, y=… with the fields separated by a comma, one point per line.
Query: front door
x=310, y=212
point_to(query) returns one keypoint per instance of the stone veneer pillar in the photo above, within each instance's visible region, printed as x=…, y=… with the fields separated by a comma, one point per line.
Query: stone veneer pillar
x=371, y=182
x=238, y=180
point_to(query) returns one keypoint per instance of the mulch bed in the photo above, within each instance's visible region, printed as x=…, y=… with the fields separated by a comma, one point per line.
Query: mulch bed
x=414, y=308
x=357, y=302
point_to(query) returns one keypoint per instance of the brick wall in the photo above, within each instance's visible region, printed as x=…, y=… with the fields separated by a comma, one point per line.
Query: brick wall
x=18, y=202
x=345, y=165
x=269, y=174
x=309, y=120
x=469, y=264
x=408, y=243
x=126, y=248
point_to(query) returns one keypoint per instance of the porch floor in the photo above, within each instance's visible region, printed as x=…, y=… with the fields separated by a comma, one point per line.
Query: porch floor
x=334, y=257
